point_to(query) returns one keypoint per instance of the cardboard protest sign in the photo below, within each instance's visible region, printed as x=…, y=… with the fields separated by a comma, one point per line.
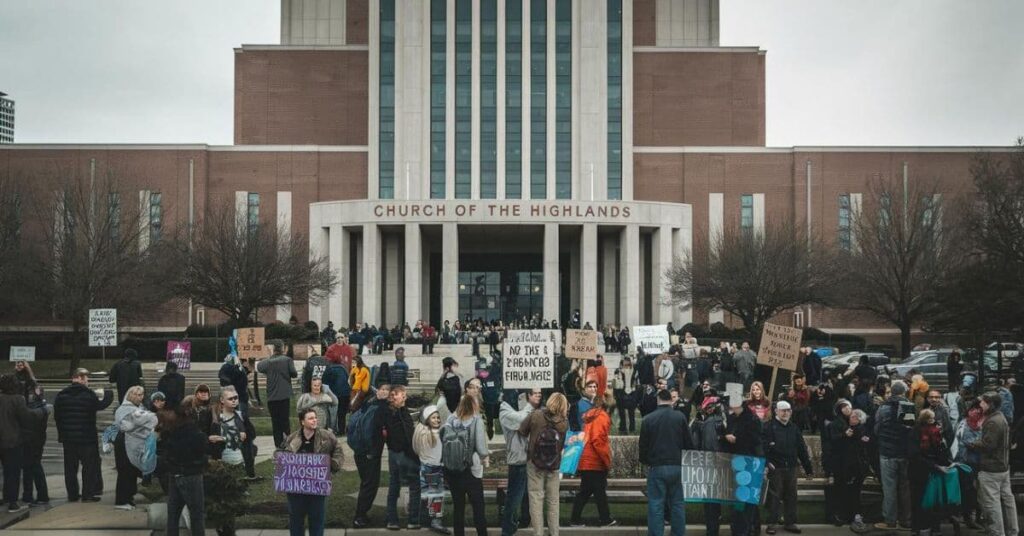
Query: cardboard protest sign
x=102, y=327
x=552, y=335
x=780, y=346
x=180, y=353
x=305, y=474
x=653, y=339
x=528, y=360
x=251, y=343
x=580, y=344
x=23, y=353
x=723, y=478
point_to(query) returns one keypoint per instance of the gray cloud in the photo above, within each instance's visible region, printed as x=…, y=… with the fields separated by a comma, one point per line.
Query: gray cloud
x=838, y=72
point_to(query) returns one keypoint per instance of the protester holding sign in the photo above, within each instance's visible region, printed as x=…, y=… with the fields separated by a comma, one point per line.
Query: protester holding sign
x=311, y=438
x=742, y=435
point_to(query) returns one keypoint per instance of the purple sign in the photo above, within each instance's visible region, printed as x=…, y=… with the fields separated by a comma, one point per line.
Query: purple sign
x=180, y=352
x=305, y=474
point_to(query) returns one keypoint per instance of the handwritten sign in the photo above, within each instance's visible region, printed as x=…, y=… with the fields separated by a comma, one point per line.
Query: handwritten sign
x=554, y=336
x=102, y=327
x=250, y=343
x=529, y=360
x=580, y=344
x=23, y=353
x=720, y=477
x=304, y=474
x=180, y=353
x=780, y=346
x=653, y=339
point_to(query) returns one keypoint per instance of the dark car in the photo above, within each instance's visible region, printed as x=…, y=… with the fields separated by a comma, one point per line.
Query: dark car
x=841, y=362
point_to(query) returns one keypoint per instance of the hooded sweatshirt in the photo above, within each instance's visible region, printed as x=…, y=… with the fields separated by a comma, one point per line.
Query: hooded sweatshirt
x=137, y=423
x=511, y=419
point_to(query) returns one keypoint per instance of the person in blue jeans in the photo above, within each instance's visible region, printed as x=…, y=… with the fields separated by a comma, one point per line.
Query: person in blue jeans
x=515, y=457
x=403, y=463
x=310, y=438
x=664, y=435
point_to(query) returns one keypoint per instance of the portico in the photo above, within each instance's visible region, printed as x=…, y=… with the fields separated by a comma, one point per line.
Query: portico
x=400, y=261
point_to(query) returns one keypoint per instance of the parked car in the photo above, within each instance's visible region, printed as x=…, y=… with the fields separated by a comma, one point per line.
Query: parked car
x=931, y=364
x=886, y=349
x=841, y=362
x=1011, y=354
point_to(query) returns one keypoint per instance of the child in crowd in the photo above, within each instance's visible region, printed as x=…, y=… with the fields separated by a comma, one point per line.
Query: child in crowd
x=427, y=444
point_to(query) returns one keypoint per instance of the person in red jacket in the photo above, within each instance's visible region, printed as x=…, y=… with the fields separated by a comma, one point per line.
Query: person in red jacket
x=595, y=462
x=596, y=371
x=341, y=352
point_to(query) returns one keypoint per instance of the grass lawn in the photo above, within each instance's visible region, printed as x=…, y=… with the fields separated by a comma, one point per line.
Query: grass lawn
x=57, y=369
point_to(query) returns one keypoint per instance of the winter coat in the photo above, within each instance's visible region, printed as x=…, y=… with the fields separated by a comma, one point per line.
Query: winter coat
x=847, y=459
x=745, y=360
x=314, y=368
x=184, y=450
x=126, y=373
x=399, y=373
x=511, y=419
x=234, y=375
x=322, y=405
x=994, y=445
x=645, y=369
x=965, y=435
x=705, y=432
x=892, y=435
x=137, y=424
x=279, y=371
x=16, y=418
x=747, y=429
x=324, y=442
x=812, y=368
x=172, y=385
x=533, y=425
x=398, y=428
x=336, y=378
x=597, y=453
x=479, y=436
x=663, y=436
x=33, y=437
x=784, y=445
x=360, y=379
x=74, y=412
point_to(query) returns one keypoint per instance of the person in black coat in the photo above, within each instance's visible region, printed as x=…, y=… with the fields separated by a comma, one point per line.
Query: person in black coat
x=74, y=412
x=15, y=418
x=126, y=373
x=172, y=385
x=34, y=438
x=954, y=366
x=784, y=448
x=742, y=435
x=234, y=373
x=185, y=458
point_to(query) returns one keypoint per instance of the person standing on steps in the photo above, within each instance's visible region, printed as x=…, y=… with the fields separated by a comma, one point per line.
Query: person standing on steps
x=74, y=412
x=663, y=437
x=279, y=370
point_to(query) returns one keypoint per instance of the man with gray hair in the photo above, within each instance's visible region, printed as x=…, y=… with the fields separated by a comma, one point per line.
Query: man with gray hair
x=994, y=493
x=279, y=370
x=893, y=422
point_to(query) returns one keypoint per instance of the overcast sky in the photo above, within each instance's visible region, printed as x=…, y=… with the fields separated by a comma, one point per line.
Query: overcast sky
x=839, y=72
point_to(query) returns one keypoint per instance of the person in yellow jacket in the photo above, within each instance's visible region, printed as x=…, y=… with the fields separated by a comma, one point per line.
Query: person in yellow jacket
x=359, y=379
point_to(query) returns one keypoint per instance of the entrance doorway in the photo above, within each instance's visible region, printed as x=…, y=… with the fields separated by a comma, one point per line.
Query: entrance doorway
x=500, y=286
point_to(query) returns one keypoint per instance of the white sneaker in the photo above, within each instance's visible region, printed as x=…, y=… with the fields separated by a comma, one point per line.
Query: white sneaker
x=126, y=507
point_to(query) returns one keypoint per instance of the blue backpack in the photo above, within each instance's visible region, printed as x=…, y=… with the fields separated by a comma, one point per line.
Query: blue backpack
x=360, y=429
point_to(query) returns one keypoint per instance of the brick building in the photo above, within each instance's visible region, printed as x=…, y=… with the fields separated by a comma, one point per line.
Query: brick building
x=504, y=158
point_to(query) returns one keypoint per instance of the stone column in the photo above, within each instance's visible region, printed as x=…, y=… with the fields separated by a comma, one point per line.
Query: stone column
x=609, y=283
x=629, y=273
x=588, y=275
x=661, y=261
x=393, y=280
x=339, y=263
x=680, y=251
x=319, y=242
x=449, y=273
x=371, y=274
x=413, y=274
x=551, y=287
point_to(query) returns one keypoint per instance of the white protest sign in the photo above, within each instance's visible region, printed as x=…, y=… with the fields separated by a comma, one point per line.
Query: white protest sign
x=529, y=360
x=554, y=336
x=653, y=339
x=102, y=327
x=734, y=391
x=23, y=353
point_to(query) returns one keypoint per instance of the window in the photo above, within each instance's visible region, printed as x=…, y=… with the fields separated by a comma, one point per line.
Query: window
x=563, y=99
x=538, y=98
x=252, y=211
x=614, y=99
x=386, y=158
x=885, y=210
x=156, y=217
x=747, y=212
x=513, y=99
x=845, y=234
x=488, y=99
x=114, y=216
x=463, y=98
x=928, y=210
x=438, y=96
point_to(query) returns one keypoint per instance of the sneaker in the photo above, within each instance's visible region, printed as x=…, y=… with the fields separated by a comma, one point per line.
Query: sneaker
x=360, y=523
x=439, y=527
x=393, y=526
x=15, y=508
x=610, y=523
x=413, y=526
x=858, y=525
x=792, y=528
x=126, y=507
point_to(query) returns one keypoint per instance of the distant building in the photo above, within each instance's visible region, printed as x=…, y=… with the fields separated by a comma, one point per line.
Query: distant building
x=6, y=119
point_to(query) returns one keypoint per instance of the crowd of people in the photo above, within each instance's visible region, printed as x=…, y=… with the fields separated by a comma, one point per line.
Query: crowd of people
x=897, y=430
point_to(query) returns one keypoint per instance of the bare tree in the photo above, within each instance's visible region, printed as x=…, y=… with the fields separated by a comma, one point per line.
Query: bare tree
x=754, y=275
x=88, y=246
x=901, y=249
x=10, y=230
x=237, y=267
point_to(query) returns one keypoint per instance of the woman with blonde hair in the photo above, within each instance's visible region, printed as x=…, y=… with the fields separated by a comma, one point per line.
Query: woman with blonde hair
x=758, y=402
x=134, y=424
x=546, y=432
x=468, y=429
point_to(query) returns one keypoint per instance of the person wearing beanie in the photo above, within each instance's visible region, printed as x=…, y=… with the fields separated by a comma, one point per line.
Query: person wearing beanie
x=126, y=373
x=893, y=423
x=784, y=447
x=426, y=442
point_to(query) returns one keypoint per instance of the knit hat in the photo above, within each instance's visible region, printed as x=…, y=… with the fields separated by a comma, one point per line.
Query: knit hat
x=781, y=405
x=157, y=396
x=427, y=412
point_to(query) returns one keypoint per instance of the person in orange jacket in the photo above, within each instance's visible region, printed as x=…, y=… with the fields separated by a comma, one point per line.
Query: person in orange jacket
x=595, y=463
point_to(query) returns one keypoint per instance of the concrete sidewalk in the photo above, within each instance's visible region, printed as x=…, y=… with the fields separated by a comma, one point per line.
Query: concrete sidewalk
x=691, y=530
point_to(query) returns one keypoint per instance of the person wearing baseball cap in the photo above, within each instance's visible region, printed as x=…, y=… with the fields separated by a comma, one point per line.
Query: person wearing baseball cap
x=784, y=447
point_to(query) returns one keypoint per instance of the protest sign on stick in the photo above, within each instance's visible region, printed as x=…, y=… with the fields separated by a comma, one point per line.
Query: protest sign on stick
x=780, y=348
x=528, y=361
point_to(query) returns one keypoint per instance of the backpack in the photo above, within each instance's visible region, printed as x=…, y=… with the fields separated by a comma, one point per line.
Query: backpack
x=547, y=454
x=727, y=363
x=360, y=429
x=457, y=446
x=903, y=412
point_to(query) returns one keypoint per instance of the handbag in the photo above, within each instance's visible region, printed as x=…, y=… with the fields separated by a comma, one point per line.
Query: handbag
x=942, y=490
x=571, y=454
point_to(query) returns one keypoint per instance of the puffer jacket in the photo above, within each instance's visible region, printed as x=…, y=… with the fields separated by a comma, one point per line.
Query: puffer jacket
x=597, y=453
x=137, y=424
x=15, y=419
x=74, y=412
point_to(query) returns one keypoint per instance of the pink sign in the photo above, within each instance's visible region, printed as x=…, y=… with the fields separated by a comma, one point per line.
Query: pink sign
x=180, y=352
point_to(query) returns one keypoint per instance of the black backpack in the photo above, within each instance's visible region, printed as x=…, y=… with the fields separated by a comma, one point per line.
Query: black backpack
x=547, y=455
